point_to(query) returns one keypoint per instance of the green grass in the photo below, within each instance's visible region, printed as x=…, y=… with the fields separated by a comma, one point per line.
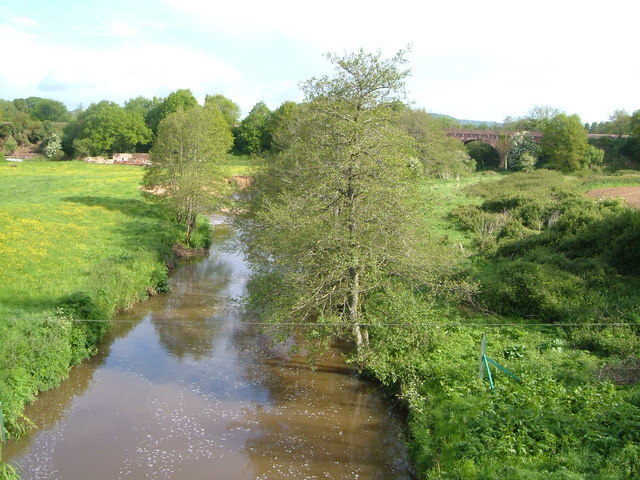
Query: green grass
x=237, y=165
x=571, y=417
x=623, y=178
x=61, y=223
x=442, y=196
x=76, y=240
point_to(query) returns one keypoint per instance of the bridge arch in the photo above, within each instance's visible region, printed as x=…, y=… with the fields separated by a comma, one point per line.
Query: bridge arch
x=495, y=138
x=485, y=154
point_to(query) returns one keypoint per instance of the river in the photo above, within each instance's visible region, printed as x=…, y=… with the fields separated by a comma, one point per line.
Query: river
x=185, y=387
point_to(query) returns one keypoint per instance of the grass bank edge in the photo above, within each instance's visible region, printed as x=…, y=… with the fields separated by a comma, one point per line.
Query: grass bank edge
x=78, y=241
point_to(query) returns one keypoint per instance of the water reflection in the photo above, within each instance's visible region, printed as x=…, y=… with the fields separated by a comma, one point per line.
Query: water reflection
x=52, y=406
x=320, y=422
x=190, y=390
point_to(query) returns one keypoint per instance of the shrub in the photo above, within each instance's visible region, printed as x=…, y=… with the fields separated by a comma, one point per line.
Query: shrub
x=528, y=162
x=78, y=305
x=523, y=154
x=530, y=289
x=10, y=146
x=201, y=236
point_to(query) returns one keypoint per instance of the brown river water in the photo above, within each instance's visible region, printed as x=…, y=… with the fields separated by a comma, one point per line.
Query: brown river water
x=184, y=387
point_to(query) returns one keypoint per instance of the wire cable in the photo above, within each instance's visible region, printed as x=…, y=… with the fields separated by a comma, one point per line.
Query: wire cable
x=211, y=321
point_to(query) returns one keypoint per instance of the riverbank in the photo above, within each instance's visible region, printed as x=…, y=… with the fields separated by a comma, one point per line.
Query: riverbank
x=76, y=241
x=186, y=384
x=557, y=271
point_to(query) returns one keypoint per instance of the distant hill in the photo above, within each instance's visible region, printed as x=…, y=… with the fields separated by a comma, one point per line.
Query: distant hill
x=475, y=123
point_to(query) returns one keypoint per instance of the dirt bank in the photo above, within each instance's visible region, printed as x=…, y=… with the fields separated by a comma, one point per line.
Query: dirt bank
x=630, y=194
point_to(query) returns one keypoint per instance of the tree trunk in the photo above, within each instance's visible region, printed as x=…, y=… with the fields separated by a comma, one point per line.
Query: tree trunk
x=360, y=335
x=191, y=223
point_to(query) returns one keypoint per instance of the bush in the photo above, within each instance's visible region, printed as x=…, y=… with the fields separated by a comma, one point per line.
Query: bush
x=78, y=305
x=529, y=289
x=10, y=146
x=201, y=235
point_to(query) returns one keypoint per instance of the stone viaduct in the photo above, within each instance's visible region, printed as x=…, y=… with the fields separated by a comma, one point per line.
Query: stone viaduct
x=487, y=136
x=491, y=136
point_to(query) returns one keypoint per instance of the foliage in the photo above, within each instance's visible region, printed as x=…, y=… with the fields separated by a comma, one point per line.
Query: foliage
x=565, y=419
x=43, y=109
x=558, y=256
x=564, y=144
x=619, y=124
x=180, y=99
x=10, y=145
x=78, y=241
x=441, y=156
x=523, y=154
x=618, y=153
x=253, y=135
x=7, y=472
x=105, y=128
x=503, y=147
x=52, y=146
x=634, y=123
x=282, y=126
x=337, y=213
x=536, y=119
x=576, y=413
x=8, y=111
x=229, y=109
x=186, y=156
x=142, y=105
x=594, y=157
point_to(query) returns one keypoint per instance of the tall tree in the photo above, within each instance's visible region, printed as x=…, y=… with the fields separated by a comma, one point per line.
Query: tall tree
x=535, y=120
x=335, y=215
x=105, y=128
x=503, y=147
x=253, y=136
x=523, y=153
x=564, y=144
x=43, y=109
x=185, y=161
x=620, y=122
x=634, y=123
x=229, y=109
x=142, y=105
x=180, y=99
x=282, y=125
x=441, y=156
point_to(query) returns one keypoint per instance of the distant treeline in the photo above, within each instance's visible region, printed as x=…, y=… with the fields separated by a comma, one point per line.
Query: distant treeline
x=48, y=128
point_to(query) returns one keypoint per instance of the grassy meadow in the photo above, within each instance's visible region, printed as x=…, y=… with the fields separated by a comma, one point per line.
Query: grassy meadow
x=64, y=225
x=76, y=241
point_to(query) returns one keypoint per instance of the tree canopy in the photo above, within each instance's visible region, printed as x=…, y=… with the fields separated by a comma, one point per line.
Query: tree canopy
x=334, y=215
x=440, y=156
x=185, y=161
x=253, y=135
x=105, y=128
x=564, y=144
x=43, y=109
x=535, y=120
x=182, y=98
x=229, y=109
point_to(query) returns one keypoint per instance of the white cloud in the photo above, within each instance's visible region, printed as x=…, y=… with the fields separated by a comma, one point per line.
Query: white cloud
x=479, y=60
x=120, y=28
x=25, y=22
x=117, y=72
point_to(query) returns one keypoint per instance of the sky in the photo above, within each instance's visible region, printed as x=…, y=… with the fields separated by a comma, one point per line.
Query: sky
x=471, y=59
